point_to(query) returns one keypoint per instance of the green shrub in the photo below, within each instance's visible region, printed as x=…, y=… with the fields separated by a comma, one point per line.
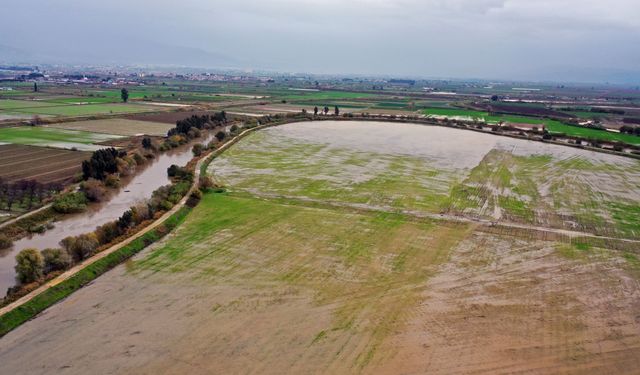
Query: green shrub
x=197, y=149
x=5, y=242
x=29, y=265
x=70, y=203
x=82, y=246
x=194, y=198
x=55, y=260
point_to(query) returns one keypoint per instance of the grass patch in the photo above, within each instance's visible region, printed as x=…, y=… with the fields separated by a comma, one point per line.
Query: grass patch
x=45, y=136
x=88, y=109
x=348, y=260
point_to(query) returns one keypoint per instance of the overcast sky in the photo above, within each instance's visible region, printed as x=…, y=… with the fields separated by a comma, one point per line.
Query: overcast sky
x=587, y=40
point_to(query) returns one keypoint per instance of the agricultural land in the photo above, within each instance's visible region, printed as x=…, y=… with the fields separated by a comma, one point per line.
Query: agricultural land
x=364, y=247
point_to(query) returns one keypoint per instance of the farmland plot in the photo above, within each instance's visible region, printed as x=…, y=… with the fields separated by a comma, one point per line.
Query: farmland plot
x=123, y=127
x=420, y=169
x=19, y=162
x=52, y=137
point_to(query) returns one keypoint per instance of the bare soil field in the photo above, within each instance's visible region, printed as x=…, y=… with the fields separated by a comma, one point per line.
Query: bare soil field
x=20, y=162
x=117, y=126
x=274, y=277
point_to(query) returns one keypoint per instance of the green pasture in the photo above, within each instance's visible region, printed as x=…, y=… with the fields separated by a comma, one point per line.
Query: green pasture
x=43, y=136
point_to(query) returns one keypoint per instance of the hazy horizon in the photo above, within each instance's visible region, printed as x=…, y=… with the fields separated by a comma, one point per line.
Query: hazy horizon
x=562, y=40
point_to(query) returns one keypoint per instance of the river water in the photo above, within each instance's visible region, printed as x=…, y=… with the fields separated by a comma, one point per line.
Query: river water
x=135, y=189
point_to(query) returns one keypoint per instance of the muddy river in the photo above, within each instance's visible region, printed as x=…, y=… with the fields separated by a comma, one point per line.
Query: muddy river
x=135, y=189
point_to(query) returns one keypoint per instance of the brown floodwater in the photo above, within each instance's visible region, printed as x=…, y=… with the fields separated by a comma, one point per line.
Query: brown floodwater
x=134, y=190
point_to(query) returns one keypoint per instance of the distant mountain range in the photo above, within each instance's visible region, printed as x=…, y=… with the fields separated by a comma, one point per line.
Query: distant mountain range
x=154, y=53
x=144, y=53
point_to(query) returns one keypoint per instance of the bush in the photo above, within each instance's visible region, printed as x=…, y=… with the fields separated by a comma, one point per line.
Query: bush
x=125, y=221
x=221, y=135
x=94, y=190
x=107, y=232
x=112, y=181
x=81, y=247
x=197, y=149
x=205, y=183
x=194, y=133
x=29, y=265
x=55, y=260
x=141, y=212
x=138, y=158
x=179, y=172
x=194, y=198
x=70, y=203
x=146, y=143
x=5, y=242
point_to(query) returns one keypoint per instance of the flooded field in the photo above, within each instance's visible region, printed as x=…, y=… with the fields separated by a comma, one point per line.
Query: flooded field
x=335, y=250
x=405, y=167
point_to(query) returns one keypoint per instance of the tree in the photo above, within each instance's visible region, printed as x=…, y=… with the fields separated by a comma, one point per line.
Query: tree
x=29, y=265
x=55, y=260
x=126, y=220
x=221, y=135
x=336, y=111
x=326, y=109
x=315, y=111
x=80, y=247
x=124, y=94
x=5, y=242
x=146, y=142
x=197, y=149
x=494, y=98
x=35, y=87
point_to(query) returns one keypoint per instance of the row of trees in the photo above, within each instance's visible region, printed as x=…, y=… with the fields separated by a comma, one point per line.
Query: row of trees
x=101, y=163
x=325, y=110
x=198, y=122
x=25, y=193
x=635, y=130
x=32, y=265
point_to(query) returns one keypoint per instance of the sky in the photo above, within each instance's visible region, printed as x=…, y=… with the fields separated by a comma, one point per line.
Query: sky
x=561, y=40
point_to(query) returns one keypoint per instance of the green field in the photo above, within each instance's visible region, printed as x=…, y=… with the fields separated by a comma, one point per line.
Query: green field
x=41, y=136
x=323, y=95
x=576, y=131
x=12, y=104
x=83, y=99
x=551, y=125
x=88, y=109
